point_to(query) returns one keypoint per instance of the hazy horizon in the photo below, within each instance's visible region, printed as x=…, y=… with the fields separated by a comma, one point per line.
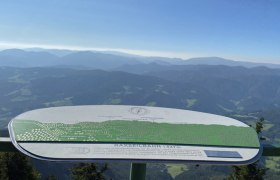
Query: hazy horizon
x=119, y=52
x=239, y=30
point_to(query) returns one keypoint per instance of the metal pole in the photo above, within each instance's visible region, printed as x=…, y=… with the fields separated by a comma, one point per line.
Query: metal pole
x=138, y=171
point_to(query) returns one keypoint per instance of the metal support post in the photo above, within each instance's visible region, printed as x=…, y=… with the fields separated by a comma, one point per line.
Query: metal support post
x=138, y=171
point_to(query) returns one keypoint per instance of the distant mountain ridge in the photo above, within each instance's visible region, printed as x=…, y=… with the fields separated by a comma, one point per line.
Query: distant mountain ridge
x=106, y=60
x=21, y=58
x=226, y=62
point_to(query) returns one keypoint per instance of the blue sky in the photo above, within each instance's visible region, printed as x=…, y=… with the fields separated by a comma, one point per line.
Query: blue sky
x=237, y=29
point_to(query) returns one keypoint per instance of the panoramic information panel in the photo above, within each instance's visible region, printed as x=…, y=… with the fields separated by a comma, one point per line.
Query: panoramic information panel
x=133, y=133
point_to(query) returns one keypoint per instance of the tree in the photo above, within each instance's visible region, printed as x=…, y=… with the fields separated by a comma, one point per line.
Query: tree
x=88, y=171
x=14, y=166
x=3, y=167
x=253, y=171
x=51, y=177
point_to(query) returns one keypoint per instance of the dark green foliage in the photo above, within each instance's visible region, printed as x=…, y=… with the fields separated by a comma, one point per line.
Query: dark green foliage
x=16, y=166
x=3, y=167
x=202, y=172
x=50, y=169
x=157, y=171
x=254, y=171
x=259, y=126
x=118, y=170
x=51, y=177
x=88, y=171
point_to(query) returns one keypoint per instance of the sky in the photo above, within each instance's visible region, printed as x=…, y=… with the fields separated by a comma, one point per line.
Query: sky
x=246, y=30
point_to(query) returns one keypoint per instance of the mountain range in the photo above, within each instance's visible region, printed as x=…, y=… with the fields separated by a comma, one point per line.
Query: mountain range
x=106, y=60
x=215, y=89
x=31, y=79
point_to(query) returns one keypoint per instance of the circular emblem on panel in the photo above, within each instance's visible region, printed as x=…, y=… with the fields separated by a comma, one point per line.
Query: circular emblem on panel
x=139, y=111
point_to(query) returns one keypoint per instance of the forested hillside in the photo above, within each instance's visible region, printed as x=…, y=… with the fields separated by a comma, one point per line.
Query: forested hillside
x=242, y=93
